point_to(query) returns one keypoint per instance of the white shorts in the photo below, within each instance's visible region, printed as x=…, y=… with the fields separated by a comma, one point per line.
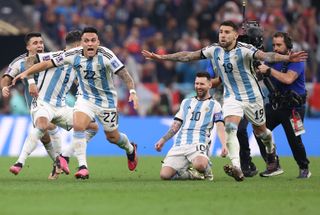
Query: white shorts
x=107, y=117
x=179, y=157
x=254, y=112
x=60, y=116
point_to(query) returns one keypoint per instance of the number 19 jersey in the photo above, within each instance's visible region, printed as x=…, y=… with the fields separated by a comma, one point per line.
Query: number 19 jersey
x=234, y=69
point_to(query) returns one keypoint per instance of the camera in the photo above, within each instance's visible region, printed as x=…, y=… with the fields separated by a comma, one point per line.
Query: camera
x=253, y=35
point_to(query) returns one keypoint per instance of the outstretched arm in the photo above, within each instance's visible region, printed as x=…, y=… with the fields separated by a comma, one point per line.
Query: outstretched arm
x=34, y=69
x=275, y=57
x=126, y=77
x=172, y=131
x=179, y=56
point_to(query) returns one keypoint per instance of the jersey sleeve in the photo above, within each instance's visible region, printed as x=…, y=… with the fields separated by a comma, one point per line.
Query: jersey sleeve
x=13, y=69
x=113, y=63
x=180, y=113
x=248, y=50
x=217, y=115
x=66, y=57
x=207, y=52
x=298, y=67
x=47, y=56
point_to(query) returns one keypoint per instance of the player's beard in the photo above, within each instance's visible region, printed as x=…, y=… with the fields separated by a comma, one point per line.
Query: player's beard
x=225, y=44
x=201, y=94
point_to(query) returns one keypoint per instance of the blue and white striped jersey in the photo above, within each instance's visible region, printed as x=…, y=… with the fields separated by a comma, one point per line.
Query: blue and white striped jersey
x=95, y=75
x=198, y=119
x=234, y=69
x=16, y=67
x=54, y=84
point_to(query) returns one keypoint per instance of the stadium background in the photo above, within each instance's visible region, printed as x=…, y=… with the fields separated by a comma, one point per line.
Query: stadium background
x=165, y=26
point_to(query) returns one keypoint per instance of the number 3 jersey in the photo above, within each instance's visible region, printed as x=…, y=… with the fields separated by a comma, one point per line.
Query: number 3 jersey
x=95, y=74
x=54, y=84
x=234, y=69
x=198, y=118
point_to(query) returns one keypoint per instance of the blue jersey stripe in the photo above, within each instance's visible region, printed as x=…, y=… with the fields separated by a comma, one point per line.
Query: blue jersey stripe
x=205, y=123
x=105, y=83
x=93, y=88
x=193, y=123
x=185, y=110
x=229, y=72
x=244, y=77
x=53, y=83
x=216, y=57
x=64, y=85
x=76, y=66
x=27, y=95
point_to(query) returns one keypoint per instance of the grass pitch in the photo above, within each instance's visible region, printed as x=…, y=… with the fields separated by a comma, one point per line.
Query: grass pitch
x=113, y=189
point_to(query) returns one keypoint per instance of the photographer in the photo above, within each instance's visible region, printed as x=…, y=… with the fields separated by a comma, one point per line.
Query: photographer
x=287, y=99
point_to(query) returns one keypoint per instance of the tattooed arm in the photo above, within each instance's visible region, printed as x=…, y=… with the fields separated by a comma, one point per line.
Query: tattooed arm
x=30, y=61
x=275, y=57
x=183, y=56
x=126, y=77
x=172, y=131
x=33, y=90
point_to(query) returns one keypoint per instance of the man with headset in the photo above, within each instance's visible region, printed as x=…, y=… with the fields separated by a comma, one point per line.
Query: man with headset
x=288, y=78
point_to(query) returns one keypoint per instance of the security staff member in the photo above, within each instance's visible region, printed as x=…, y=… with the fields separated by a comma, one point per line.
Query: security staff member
x=287, y=77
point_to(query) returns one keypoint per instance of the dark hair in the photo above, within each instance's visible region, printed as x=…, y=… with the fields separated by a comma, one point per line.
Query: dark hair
x=89, y=30
x=231, y=24
x=30, y=35
x=286, y=38
x=203, y=75
x=73, y=36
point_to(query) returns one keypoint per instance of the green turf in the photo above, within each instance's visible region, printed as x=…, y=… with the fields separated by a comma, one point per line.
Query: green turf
x=112, y=189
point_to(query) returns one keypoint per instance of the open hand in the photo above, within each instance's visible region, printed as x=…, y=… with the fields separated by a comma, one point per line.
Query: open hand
x=134, y=98
x=298, y=56
x=150, y=55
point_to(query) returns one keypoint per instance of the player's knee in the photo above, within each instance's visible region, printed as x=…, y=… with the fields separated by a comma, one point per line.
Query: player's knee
x=45, y=139
x=165, y=176
x=231, y=127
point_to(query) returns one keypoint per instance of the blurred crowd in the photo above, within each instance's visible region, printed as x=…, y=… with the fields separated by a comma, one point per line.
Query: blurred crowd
x=165, y=26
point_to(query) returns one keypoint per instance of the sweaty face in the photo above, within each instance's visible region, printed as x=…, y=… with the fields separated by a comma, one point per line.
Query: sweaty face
x=202, y=86
x=90, y=43
x=279, y=45
x=35, y=45
x=227, y=37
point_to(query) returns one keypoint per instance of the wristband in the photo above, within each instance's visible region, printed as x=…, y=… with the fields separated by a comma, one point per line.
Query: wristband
x=268, y=73
x=132, y=91
x=31, y=81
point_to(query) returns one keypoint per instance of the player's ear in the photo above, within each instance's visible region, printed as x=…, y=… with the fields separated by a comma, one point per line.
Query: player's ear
x=210, y=84
x=98, y=42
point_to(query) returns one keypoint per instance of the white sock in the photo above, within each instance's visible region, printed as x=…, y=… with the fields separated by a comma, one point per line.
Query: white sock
x=89, y=134
x=267, y=140
x=68, y=151
x=50, y=150
x=80, y=146
x=233, y=144
x=55, y=140
x=125, y=144
x=30, y=144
